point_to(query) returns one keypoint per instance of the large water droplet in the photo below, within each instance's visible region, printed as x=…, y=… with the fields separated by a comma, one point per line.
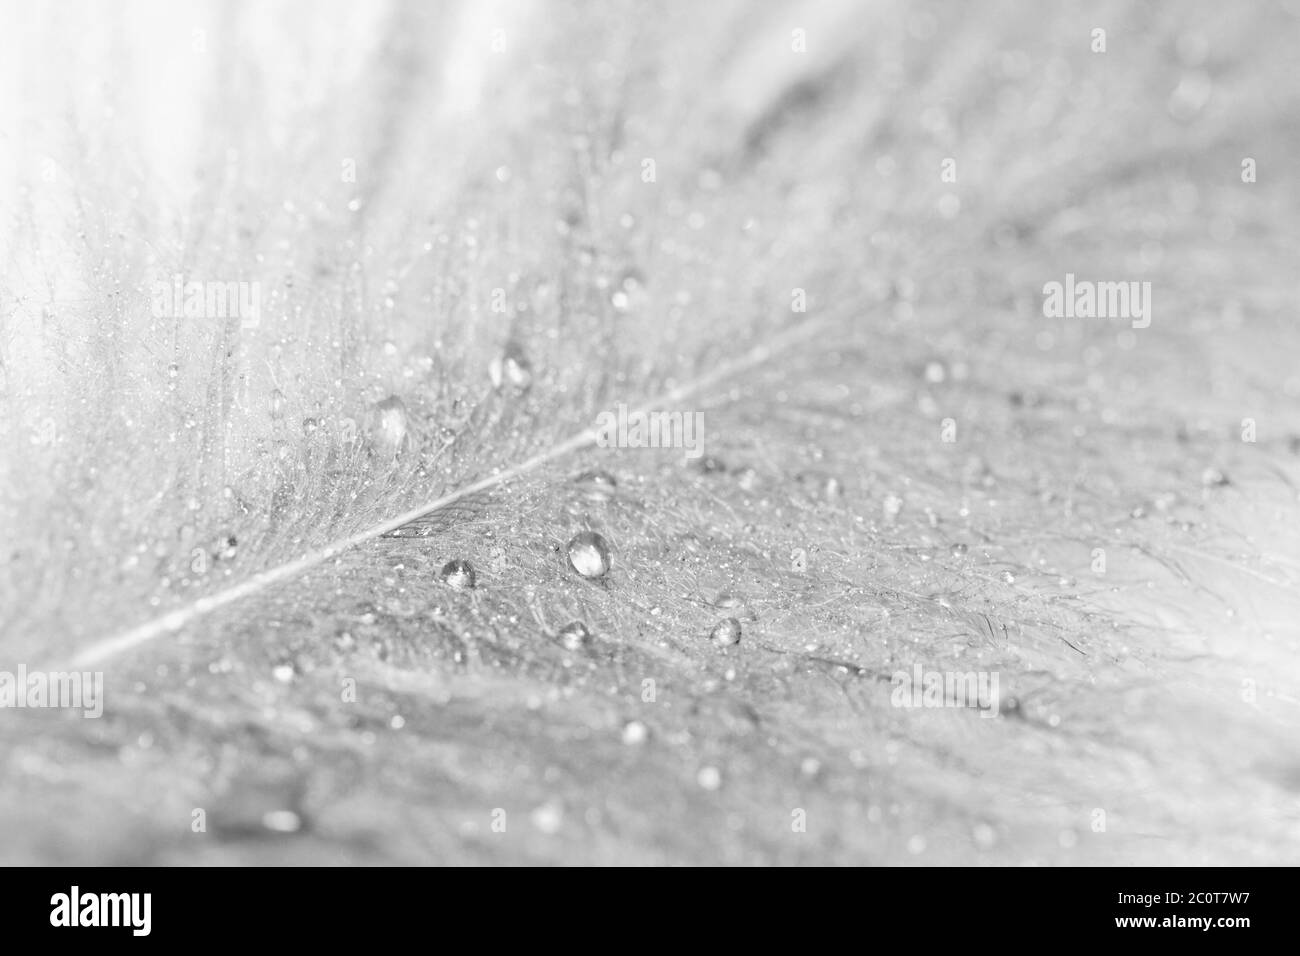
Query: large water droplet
x=589, y=555
x=726, y=632
x=386, y=427
x=458, y=574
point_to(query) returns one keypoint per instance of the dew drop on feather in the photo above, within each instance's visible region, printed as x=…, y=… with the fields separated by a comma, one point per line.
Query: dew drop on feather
x=574, y=636
x=458, y=574
x=589, y=554
x=284, y=672
x=726, y=632
x=634, y=733
x=596, y=485
x=511, y=370
x=386, y=426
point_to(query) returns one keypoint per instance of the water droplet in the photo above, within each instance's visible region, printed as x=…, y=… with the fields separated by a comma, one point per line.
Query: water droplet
x=1008, y=577
x=589, y=555
x=277, y=404
x=726, y=632
x=512, y=369
x=310, y=426
x=709, y=778
x=284, y=672
x=747, y=478
x=1214, y=478
x=631, y=280
x=229, y=548
x=173, y=370
x=386, y=427
x=818, y=484
x=548, y=817
x=282, y=821
x=596, y=485
x=959, y=550
x=458, y=574
x=574, y=636
x=711, y=466
x=635, y=733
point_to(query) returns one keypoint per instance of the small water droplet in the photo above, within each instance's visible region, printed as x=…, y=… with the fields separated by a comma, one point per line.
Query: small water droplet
x=711, y=466
x=512, y=369
x=282, y=821
x=1214, y=478
x=574, y=636
x=458, y=574
x=709, y=778
x=635, y=733
x=959, y=550
x=589, y=555
x=284, y=672
x=726, y=632
x=1008, y=577
x=548, y=818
